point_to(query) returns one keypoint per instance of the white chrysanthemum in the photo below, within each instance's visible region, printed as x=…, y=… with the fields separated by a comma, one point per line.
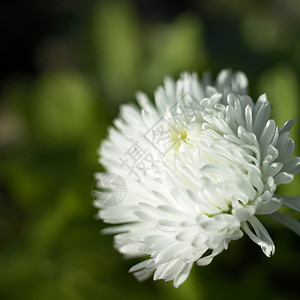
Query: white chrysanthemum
x=199, y=166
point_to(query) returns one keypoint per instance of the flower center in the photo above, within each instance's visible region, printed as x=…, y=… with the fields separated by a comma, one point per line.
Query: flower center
x=178, y=135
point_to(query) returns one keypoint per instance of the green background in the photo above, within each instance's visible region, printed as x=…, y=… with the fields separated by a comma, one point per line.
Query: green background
x=54, y=114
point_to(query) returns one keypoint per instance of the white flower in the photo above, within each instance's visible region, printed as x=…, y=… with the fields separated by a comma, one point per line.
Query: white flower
x=199, y=166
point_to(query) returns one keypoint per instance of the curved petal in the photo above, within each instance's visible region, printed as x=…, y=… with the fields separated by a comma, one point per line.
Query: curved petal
x=261, y=236
x=291, y=202
x=270, y=206
x=287, y=221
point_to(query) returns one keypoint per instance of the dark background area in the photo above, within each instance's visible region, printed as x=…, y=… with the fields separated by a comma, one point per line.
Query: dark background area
x=65, y=67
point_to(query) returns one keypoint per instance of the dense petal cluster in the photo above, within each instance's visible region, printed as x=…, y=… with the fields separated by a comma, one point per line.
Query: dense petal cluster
x=199, y=166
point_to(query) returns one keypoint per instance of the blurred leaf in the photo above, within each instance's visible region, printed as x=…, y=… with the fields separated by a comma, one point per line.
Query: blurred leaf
x=295, y=53
x=12, y=128
x=175, y=47
x=54, y=219
x=118, y=49
x=263, y=32
x=26, y=184
x=62, y=108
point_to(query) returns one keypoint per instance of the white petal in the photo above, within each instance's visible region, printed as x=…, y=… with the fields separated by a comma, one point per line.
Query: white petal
x=261, y=114
x=267, y=134
x=141, y=265
x=204, y=261
x=261, y=236
x=292, y=166
x=287, y=221
x=182, y=276
x=241, y=82
x=143, y=274
x=248, y=117
x=287, y=126
x=269, y=207
x=283, y=178
x=173, y=269
x=291, y=202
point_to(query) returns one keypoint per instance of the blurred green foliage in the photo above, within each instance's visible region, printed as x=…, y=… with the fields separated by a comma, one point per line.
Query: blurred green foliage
x=51, y=127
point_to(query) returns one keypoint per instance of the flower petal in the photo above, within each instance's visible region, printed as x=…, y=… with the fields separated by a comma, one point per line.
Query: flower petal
x=261, y=236
x=287, y=221
x=291, y=202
